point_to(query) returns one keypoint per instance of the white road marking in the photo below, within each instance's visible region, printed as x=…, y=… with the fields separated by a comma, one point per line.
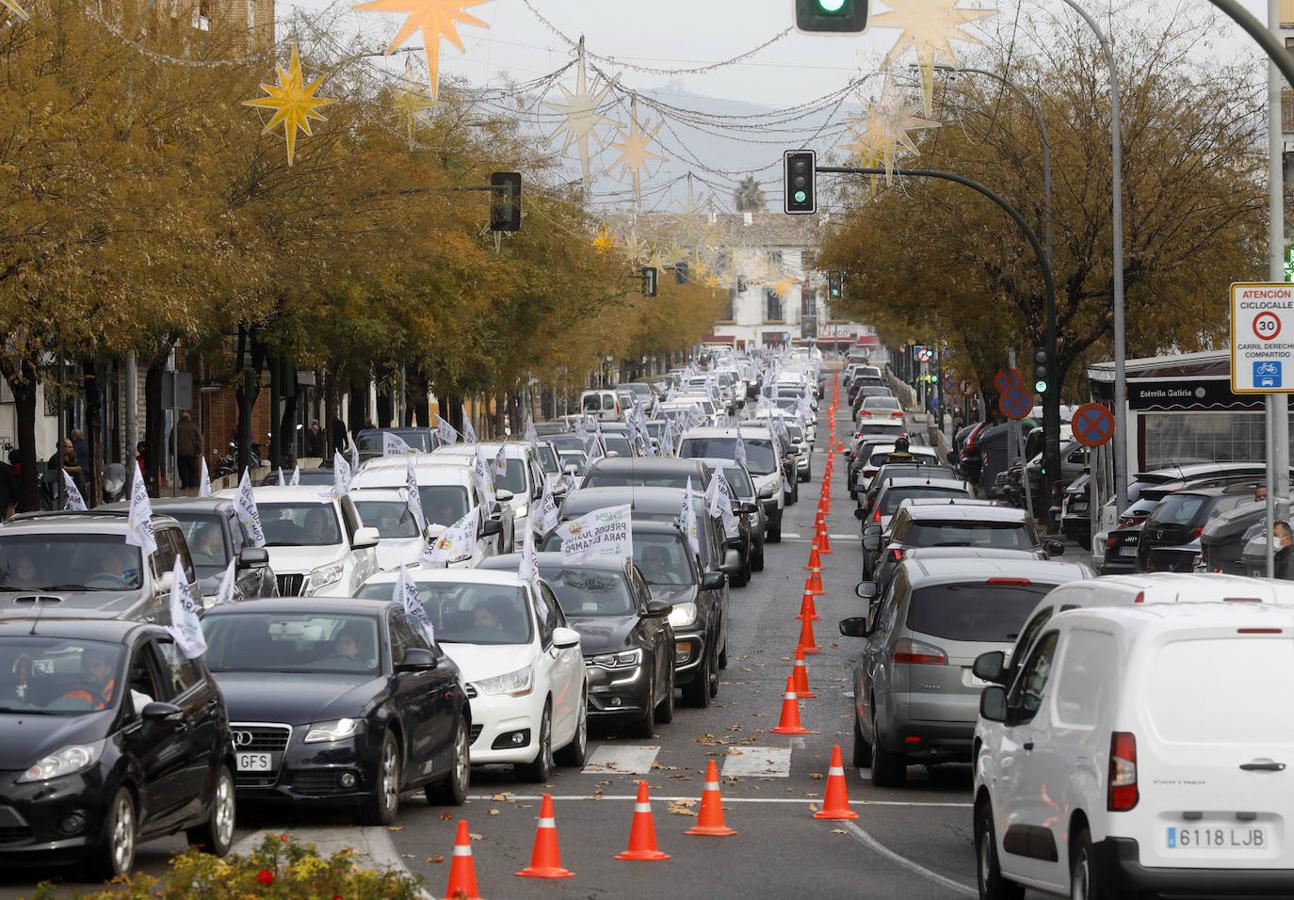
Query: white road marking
x=621, y=759
x=794, y=537
x=842, y=537
x=876, y=846
x=764, y=762
x=662, y=797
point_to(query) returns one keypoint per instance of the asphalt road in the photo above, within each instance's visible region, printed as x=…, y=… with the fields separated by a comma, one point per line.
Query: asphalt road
x=913, y=842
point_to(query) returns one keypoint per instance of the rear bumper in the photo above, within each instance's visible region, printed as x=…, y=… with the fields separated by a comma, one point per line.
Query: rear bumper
x=1118, y=867
x=927, y=741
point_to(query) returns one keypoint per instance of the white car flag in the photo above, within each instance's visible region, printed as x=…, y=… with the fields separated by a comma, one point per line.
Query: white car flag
x=528, y=568
x=139, y=524
x=283, y=482
x=602, y=534
x=484, y=480
x=445, y=431
x=225, y=592
x=531, y=436
x=501, y=462
x=413, y=498
x=406, y=593
x=687, y=519
x=340, y=474
x=245, y=509
x=469, y=433
x=74, y=499
x=455, y=544
x=739, y=450
x=185, y=625
x=295, y=480
x=204, y=482
x=546, y=517
x=393, y=444
x=719, y=503
x=354, y=460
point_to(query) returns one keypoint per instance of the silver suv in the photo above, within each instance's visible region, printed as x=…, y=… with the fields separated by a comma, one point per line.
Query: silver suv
x=79, y=562
x=915, y=697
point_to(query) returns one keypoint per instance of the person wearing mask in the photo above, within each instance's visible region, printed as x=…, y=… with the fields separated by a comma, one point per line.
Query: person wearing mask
x=1284, y=557
x=186, y=438
x=314, y=440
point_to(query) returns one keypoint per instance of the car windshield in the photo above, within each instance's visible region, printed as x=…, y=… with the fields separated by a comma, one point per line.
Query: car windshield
x=514, y=479
x=742, y=487
x=299, y=524
x=759, y=451
x=884, y=429
x=69, y=561
x=464, y=613
x=584, y=592
x=58, y=676
x=547, y=459
x=206, y=540
x=391, y=518
x=373, y=440
x=577, y=459
x=999, y=535
x=876, y=460
x=891, y=499
x=663, y=558
x=566, y=442
x=334, y=643
x=597, y=478
x=442, y=504
x=1177, y=510
x=592, y=402
x=974, y=612
x=618, y=444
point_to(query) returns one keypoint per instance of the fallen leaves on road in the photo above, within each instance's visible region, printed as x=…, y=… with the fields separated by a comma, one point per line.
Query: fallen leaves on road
x=707, y=739
x=395, y=828
x=502, y=798
x=436, y=860
x=680, y=807
x=476, y=837
x=816, y=776
x=839, y=831
x=446, y=816
x=494, y=812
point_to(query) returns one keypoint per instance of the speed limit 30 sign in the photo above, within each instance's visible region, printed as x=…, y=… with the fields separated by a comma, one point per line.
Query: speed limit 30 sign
x=1262, y=338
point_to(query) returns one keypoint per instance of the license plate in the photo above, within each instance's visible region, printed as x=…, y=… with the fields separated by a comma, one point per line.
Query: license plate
x=969, y=679
x=255, y=762
x=1251, y=837
x=1128, y=551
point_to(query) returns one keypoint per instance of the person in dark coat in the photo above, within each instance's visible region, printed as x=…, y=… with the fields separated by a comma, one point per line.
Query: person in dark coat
x=314, y=440
x=187, y=440
x=1284, y=556
x=82, y=448
x=8, y=491
x=338, y=434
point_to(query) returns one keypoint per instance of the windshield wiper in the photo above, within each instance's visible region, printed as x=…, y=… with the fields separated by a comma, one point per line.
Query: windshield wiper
x=18, y=712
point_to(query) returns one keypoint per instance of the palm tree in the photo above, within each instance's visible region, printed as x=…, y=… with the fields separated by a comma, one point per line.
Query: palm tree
x=749, y=197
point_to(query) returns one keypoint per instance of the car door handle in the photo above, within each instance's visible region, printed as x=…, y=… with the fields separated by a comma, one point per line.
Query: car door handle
x=1028, y=745
x=1263, y=765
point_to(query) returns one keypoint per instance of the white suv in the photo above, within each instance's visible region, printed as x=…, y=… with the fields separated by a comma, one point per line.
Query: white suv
x=1143, y=749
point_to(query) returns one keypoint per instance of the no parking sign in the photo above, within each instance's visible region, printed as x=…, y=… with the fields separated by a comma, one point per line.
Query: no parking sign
x=1262, y=338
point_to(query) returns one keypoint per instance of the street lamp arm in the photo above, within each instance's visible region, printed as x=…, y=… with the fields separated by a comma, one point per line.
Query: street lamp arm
x=1260, y=33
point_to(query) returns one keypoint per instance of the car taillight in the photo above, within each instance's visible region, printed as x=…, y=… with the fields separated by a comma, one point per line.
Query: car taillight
x=897, y=414
x=1140, y=598
x=919, y=654
x=1016, y=582
x=1197, y=532
x=1123, y=794
x=898, y=554
x=1110, y=543
x=877, y=517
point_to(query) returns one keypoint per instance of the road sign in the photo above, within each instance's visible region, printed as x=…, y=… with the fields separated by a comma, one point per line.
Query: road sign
x=1093, y=425
x=1262, y=338
x=1008, y=380
x=1015, y=404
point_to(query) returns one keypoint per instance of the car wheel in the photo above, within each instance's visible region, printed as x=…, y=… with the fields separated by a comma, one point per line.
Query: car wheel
x=714, y=677
x=757, y=560
x=542, y=767
x=216, y=834
x=1082, y=880
x=574, y=753
x=697, y=692
x=742, y=578
x=862, y=749
x=888, y=769
x=665, y=708
x=808, y=473
x=723, y=656
x=992, y=886
x=115, y=855
x=645, y=725
x=775, y=529
x=382, y=806
x=452, y=791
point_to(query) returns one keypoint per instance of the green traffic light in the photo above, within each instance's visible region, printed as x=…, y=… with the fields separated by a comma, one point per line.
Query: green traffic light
x=801, y=196
x=831, y=6
x=1040, y=387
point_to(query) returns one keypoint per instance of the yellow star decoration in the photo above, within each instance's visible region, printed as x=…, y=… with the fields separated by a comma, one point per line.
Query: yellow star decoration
x=712, y=281
x=633, y=149
x=580, y=116
x=13, y=7
x=929, y=27
x=293, y=102
x=437, y=20
x=783, y=286
x=409, y=101
x=603, y=240
x=886, y=131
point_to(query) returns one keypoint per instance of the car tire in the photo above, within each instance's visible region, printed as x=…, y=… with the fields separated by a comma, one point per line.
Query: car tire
x=1083, y=884
x=714, y=676
x=697, y=692
x=808, y=474
x=742, y=578
x=645, y=725
x=862, y=758
x=452, y=789
x=723, y=656
x=888, y=769
x=115, y=854
x=775, y=529
x=757, y=558
x=383, y=806
x=541, y=768
x=216, y=834
x=574, y=753
x=992, y=886
x=665, y=708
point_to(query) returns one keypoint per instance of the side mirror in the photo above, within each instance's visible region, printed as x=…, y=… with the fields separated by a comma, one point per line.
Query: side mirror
x=747, y=509
x=990, y=666
x=713, y=581
x=866, y=590
x=503, y=495
x=416, y=659
x=252, y=557
x=848, y=452
x=872, y=538
x=659, y=609
x=860, y=513
x=992, y=703
x=158, y=711
x=731, y=562
x=572, y=469
x=365, y=537
x=564, y=638
x=491, y=527
x=1053, y=548
x=855, y=626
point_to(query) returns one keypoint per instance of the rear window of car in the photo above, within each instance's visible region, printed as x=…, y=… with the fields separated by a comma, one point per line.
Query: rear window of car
x=891, y=499
x=999, y=535
x=973, y=612
x=1179, y=509
x=1242, y=692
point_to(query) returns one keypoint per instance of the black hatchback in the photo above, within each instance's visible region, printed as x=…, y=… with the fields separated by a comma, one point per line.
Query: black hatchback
x=1169, y=541
x=108, y=737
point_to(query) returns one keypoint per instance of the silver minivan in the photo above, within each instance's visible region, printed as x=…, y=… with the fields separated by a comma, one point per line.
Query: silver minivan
x=916, y=699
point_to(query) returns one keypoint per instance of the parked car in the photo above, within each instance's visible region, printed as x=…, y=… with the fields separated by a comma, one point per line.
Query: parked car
x=317, y=543
x=1075, y=510
x=363, y=707
x=915, y=699
x=1170, y=539
x=109, y=738
x=78, y=563
x=647, y=472
x=625, y=635
x=762, y=461
x=521, y=663
x=1096, y=778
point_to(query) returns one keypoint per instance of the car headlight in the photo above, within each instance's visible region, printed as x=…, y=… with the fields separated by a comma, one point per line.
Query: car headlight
x=325, y=575
x=522, y=511
x=337, y=730
x=515, y=684
x=767, y=492
x=65, y=761
x=684, y=614
x=616, y=660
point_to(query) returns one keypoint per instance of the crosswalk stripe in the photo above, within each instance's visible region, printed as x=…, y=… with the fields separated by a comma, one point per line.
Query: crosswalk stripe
x=621, y=759
x=765, y=762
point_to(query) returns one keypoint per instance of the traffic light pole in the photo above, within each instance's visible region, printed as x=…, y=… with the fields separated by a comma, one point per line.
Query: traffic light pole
x=1051, y=397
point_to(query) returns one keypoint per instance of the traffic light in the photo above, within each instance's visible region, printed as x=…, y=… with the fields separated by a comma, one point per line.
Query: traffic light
x=680, y=272
x=505, y=201
x=799, y=182
x=649, y=281
x=1041, y=370
x=835, y=285
x=840, y=16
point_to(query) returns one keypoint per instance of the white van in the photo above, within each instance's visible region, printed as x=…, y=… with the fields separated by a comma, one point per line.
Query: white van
x=602, y=405
x=1143, y=749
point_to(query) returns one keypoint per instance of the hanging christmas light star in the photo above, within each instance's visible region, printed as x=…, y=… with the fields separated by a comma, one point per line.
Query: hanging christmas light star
x=580, y=116
x=603, y=240
x=410, y=101
x=436, y=19
x=294, y=103
x=633, y=150
x=886, y=131
x=929, y=27
x=13, y=7
x=712, y=281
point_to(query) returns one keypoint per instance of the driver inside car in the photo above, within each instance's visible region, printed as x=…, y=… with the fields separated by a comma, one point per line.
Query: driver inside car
x=98, y=685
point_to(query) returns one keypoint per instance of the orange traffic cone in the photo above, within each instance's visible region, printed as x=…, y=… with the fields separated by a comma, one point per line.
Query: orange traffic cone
x=814, y=561
x=462, y=871
x=835, y=804
x=801, y=675
x=790, y=721
x=824, y=543
x=807, y=643
x=709, y=821
x=642, y=833
x=546, y=858
x=807, y=608
x=815, y=582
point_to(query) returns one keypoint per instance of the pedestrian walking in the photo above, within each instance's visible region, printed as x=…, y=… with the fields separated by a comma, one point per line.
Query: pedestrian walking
x=65, y=459
x=314, y=440
x=186, y=438
x=82, y=448
x=1283, y=561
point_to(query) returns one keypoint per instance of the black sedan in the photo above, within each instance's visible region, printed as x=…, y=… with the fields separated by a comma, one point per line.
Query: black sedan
x=362, y=708
x=215, y=536
x=626, y=638
x=108, y=737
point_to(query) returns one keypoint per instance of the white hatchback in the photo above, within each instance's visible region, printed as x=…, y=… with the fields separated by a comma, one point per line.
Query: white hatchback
x=522, y=666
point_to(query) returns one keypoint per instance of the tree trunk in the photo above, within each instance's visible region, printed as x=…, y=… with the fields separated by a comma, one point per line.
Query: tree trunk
x=417, y=399
x=21, y=374
x=155, y=444
x=93, y=423
x=329, y=414
x=358, y=405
